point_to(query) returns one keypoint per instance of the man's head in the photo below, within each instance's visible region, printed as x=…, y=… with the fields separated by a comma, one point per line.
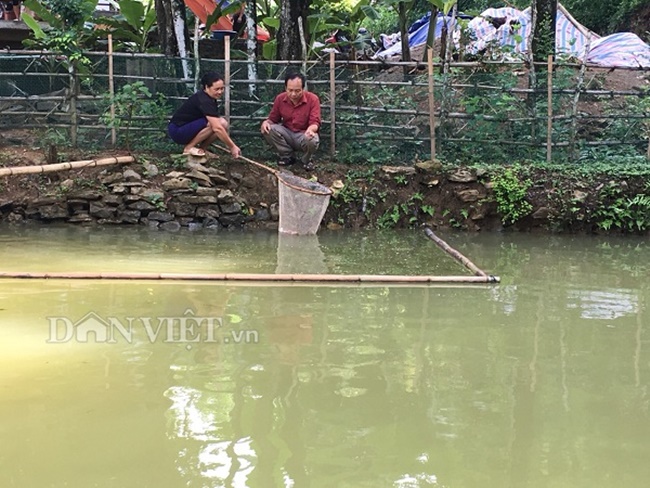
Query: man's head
x=213, y=84
x=294, y=84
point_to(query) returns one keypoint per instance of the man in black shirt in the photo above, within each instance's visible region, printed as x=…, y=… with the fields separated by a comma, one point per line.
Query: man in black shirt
x=199, y=121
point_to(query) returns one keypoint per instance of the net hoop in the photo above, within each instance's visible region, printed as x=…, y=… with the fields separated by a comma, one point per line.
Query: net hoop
x=318, y=189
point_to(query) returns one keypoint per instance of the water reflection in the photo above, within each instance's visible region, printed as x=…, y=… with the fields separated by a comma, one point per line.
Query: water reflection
x=603, y=304
x=300, y=255
x=541, y=381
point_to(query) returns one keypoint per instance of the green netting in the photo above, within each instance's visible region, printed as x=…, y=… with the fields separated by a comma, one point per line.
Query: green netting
x=485, y=113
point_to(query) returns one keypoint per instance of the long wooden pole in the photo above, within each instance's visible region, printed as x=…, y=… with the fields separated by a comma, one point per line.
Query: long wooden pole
x=50, y=168
x=111, y=89
x=306, y=278
x=332, y=105
x=244, y=158
x=432, y=107
x=549, y=101
x=457, y=255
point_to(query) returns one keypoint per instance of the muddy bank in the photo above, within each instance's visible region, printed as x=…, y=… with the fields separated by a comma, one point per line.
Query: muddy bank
x=166, y=192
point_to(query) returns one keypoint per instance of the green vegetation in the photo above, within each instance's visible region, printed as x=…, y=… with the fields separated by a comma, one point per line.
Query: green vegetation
x=617, y=211
x=510, y=195
x=135, y=106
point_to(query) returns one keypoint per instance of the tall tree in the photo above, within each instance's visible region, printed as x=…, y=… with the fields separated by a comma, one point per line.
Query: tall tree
x=172, y=32
x=288, y=36
x=543, y=43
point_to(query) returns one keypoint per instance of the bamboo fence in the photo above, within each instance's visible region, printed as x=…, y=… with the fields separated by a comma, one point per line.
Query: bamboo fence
x=348, y=117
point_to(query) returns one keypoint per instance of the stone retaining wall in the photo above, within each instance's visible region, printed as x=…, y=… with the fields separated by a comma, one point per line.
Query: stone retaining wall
x=195, y=198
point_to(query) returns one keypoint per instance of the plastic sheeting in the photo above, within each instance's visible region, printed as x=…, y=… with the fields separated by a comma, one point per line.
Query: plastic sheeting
x=511, y=27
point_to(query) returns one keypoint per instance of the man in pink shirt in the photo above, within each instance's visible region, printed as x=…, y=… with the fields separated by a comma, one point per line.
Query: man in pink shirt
x=293, y=124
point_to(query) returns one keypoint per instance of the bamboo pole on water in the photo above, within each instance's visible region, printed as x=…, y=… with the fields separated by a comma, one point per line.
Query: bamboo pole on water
x=51, y=168
x=332, y=105
x=456, y=255
x=111, y=89
x=432, y=107
x=549, y=101
x=252, y=277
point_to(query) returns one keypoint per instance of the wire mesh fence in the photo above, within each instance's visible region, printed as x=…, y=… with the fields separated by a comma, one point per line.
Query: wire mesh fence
x=373, y=112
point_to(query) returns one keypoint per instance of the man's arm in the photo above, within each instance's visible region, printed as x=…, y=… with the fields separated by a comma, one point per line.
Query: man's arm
x=314, y=117
x=273, y=118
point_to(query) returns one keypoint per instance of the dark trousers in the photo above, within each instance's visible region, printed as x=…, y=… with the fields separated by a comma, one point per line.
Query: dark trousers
x=286, y=143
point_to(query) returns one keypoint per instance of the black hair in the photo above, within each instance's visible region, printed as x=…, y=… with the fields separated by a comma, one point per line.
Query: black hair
x=209, y=78
x=293, y=76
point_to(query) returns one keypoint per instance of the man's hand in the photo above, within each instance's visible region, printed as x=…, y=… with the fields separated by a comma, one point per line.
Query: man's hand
x=266, y=127
x=311, y=131
x=235, y=152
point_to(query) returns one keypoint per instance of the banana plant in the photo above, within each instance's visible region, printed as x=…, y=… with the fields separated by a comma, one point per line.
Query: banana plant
x=67, y=33
x=133, y=26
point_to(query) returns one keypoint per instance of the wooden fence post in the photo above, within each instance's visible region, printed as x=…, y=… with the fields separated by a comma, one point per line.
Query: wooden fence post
x=111, y=89
x=576, y=100
x=432, y=115
x=74, y=121
x=549, y=99
x=226, y=68
x=197, y=57
x=332, y=105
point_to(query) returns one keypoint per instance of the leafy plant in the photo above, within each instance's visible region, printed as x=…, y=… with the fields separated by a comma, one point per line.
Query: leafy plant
x=401, y=179
x=67, y=33
x=157, y=201
x=133, y=27
x=510, y=195
x=622, y=212
x=132, y=99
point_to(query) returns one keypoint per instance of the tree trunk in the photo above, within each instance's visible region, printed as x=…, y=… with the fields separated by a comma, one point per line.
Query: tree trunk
x=170, y=14
x=402, y=11
x=288, y=36
x=543, y=43
x=431, y=33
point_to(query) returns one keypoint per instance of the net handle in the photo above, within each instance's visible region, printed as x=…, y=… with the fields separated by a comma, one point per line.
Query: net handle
x=278, y=175
x=260, y=165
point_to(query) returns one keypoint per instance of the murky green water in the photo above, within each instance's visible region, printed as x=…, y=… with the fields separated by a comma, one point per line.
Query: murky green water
x=541, y=381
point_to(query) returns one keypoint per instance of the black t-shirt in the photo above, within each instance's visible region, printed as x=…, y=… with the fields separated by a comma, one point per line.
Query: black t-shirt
x=196, y=107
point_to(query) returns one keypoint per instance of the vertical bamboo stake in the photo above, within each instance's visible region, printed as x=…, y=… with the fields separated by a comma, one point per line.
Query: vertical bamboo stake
x=576, y=100
x=532, y=77
x=74, y=128
x=432, y=115
x=549, y=97
x=197, y=58
x=332, y=105
x=111, y=89
x=226, y=59
x=303, y=43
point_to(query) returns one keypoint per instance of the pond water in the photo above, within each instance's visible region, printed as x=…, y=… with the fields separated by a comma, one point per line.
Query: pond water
x=539, y=381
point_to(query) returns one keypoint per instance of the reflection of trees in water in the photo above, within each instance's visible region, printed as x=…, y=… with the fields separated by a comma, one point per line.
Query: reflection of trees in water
x=361, y=383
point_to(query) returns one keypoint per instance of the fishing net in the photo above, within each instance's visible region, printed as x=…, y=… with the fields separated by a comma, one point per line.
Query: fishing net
x=302, y=204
